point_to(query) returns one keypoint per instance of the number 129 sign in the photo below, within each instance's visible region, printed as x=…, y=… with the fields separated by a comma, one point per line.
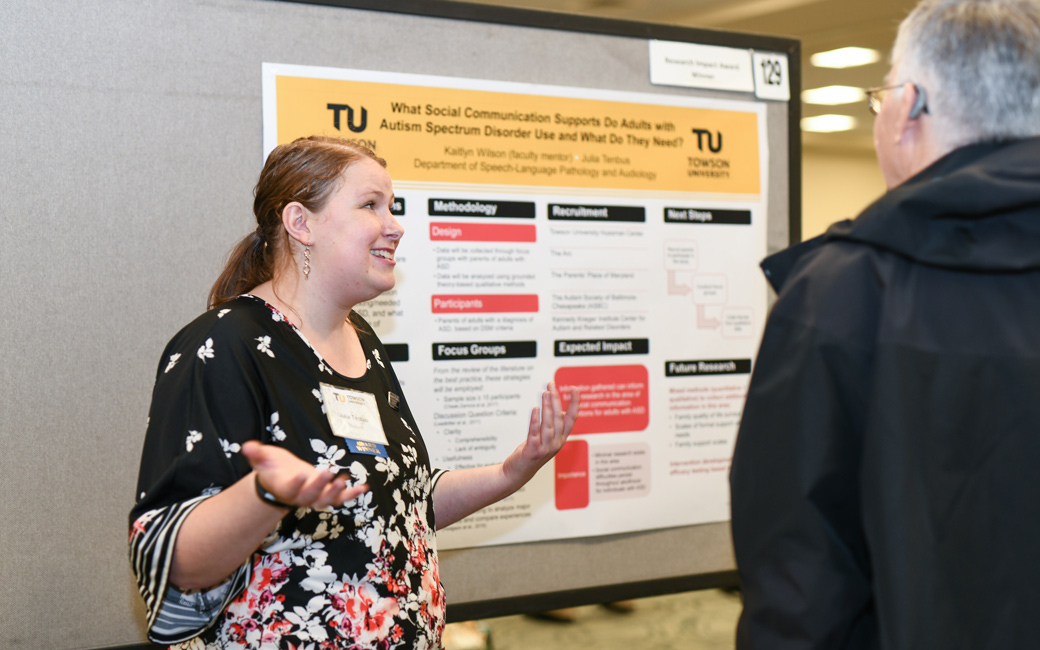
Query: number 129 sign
x=771, y=76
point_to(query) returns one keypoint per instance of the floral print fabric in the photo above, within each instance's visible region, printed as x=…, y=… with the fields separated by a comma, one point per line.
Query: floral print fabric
x=363, y=575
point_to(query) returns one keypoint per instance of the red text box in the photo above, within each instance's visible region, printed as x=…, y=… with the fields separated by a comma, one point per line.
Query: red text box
x=506, y=232
x=474, y=304
x=572, y=475
x=613, y=398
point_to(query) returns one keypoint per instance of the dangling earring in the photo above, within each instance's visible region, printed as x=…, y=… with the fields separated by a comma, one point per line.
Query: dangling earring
x=306, y=262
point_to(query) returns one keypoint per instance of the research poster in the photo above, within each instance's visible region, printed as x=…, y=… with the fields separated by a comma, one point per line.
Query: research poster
x=600, y=239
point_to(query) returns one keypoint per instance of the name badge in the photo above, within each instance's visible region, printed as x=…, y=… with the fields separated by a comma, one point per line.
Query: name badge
x=354, y=416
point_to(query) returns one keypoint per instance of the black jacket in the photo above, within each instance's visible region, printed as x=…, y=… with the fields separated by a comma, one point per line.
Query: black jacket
x=886, y=477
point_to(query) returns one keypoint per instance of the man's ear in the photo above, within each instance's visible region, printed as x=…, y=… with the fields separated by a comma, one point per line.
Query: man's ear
x=910, y=106
x=920, y=103
x=296, y=220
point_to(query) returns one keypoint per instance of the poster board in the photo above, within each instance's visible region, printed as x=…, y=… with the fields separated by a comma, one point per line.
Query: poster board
x=599, y=239
x=131, y=148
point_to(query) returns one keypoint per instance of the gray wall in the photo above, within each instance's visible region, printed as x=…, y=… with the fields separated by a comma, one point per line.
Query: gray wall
x=131, y=139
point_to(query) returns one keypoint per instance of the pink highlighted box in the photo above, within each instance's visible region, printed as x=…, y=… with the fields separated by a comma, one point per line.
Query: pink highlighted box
x=572, y=475
x=491, y=303
x=613, y=398
x=505, y=232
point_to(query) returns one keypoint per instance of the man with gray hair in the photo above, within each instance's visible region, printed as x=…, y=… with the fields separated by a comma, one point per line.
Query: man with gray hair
x=885, y=489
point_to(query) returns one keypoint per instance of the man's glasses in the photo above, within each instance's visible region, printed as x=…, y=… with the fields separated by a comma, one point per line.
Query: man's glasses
x=877, y=95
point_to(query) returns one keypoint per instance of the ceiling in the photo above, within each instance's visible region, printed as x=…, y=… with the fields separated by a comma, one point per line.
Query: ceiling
x=819, y=24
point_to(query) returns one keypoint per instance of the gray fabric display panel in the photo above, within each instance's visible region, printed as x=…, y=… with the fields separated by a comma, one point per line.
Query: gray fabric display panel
x=131, y=142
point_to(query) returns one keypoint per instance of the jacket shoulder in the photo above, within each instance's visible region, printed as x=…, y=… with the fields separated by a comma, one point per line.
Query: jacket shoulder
x=836, y=287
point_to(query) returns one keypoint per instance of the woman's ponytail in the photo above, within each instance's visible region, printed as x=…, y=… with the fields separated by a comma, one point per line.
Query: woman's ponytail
x=247, y=266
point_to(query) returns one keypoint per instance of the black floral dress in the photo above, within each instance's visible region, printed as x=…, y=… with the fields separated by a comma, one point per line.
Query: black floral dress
x=363, y=575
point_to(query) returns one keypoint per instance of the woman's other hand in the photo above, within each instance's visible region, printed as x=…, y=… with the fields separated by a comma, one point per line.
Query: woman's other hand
x=547, y=432
x=295, y=482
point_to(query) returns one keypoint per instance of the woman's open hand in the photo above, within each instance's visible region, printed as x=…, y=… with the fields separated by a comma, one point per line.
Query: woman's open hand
x=547, y=432
x=296, y=482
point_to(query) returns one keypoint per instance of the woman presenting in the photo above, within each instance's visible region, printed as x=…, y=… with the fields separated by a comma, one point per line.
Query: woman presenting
x=285, y=498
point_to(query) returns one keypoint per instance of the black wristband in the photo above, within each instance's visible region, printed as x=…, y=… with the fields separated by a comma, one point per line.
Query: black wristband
x=267, y=497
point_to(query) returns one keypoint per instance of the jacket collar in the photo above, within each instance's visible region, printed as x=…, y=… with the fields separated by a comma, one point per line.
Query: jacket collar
x=976, y=208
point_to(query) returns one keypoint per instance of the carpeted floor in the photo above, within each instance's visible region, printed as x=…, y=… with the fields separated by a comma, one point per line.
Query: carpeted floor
x=700, y=620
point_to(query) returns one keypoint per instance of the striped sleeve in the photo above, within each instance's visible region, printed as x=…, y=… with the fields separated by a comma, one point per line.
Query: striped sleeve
x=437, y=474
x=173, y=615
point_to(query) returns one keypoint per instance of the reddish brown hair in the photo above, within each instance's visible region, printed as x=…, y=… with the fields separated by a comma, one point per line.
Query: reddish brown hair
x=308, y=171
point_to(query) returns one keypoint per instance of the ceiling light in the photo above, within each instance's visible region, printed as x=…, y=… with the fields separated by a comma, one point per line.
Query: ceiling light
x=833, y=95
x=828, y=123
x=845, y=57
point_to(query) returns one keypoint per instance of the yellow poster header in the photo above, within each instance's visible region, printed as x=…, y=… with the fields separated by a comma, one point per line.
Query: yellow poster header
x=447, y=135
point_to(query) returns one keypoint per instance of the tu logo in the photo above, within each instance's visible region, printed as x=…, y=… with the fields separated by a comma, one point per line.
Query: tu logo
x=337, y=109
x=711, y=141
